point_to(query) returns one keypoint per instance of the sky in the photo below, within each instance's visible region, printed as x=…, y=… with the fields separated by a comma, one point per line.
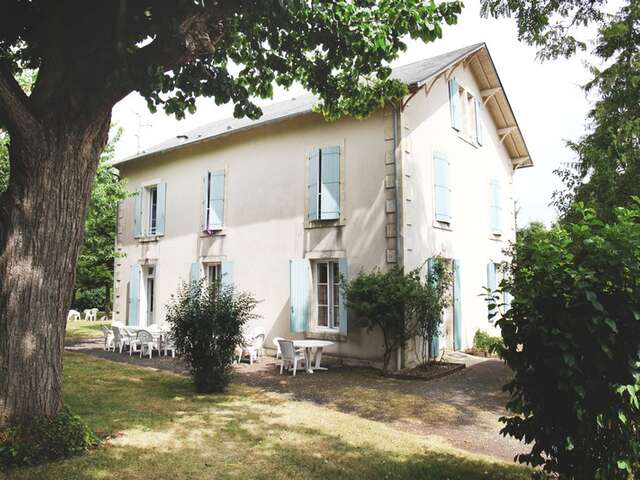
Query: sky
x=547, y=99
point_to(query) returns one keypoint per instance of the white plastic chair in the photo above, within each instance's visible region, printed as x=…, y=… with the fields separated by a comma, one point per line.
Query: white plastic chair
x=169, y=344
x=276, y=342
x=290, y=357
x=121, y=337
x=73, y=315
x=148, y=343
x=109, y=339
x=91, y=314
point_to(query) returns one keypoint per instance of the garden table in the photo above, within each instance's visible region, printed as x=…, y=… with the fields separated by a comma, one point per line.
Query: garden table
x=308, y=346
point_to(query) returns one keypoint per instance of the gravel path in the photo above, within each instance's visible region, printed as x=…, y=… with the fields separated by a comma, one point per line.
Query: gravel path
x=461, y=409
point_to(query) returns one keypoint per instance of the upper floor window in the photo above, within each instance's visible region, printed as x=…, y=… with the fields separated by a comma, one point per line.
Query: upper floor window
x=441, y=189
x=149, y=210
x=466, y=113
x=495, y=207
x=214, y=189
x=323, y=190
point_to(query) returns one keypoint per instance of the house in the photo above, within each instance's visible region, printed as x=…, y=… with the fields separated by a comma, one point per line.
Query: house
x=283, y=205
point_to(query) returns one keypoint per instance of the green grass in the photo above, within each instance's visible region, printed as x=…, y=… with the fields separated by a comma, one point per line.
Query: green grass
x=83, y=329
x=156, y=427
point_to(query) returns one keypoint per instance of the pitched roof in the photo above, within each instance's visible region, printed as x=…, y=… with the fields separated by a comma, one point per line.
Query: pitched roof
x=413, y=74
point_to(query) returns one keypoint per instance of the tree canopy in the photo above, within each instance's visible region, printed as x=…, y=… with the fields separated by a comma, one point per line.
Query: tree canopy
x=173, y=51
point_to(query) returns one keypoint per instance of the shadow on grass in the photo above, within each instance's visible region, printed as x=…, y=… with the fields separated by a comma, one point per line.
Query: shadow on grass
x=161, y=429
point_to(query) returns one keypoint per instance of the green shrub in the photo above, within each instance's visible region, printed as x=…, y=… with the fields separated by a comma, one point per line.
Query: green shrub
x=206, y=323
x=45, y=439
x=400, y=305
x=571, y=337
x=487, y=344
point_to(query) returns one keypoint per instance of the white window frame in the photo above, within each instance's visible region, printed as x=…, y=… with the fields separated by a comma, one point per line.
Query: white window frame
x=150, y=295
x=150, y=209
x=213, y=267
x=333, y=302
x=467, y=116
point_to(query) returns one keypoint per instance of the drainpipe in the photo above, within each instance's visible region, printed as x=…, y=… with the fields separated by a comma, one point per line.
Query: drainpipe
x=397, y=161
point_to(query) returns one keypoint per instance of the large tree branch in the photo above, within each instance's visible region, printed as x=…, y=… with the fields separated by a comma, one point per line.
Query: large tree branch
x=15, y=111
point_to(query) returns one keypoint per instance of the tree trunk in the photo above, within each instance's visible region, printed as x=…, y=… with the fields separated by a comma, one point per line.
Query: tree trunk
x=42, y=216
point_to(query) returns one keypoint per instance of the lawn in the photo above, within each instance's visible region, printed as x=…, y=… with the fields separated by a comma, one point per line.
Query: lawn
x=158, y=428
x=83, y=329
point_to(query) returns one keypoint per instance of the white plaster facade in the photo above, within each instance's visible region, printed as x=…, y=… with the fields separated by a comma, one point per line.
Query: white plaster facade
x=386, y=210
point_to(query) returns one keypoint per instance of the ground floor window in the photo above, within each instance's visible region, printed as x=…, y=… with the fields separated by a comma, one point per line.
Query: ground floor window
x=327, y=286
x=150, y=287
x=213, y=272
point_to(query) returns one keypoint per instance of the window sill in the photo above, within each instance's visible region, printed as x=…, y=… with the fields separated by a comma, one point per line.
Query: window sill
x=329, y=335
x=309, y=224
x=148, y=238
x=496, y=237
x=442, y=226
x=217, y=233
x=466, y=138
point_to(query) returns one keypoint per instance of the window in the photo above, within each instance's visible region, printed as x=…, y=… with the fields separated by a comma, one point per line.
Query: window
x=214, y=186
x=327, y=279
x=150, y=294
x=152, y=209
x=442, y=189
x=465, y=113
x=495, y=207
x=213, y=272
x=149, y=212
x=323, y=191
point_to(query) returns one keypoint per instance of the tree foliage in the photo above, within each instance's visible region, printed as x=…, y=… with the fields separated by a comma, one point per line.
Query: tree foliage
x=175, y=51
x=606, y=172
x=552, y=26
x=433, y=296
x=401, y=305
x=207, y=321
x=94, y=273
x=571, y=336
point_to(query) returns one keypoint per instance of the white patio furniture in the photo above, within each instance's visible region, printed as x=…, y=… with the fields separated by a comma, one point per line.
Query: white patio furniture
x=91, y=314
x=309, y=346
x=276, y=342
x=109, y=338
x=73, y=315
x=252, y=345
x=121, y=337
x=148, y=343
x=290, y=358
x=169, y=344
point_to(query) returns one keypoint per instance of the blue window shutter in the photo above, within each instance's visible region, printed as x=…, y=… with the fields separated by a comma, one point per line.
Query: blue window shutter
x=495, y=207
x=194, y=274
x=204, y=224
x=216, y=200
x=162, y=208
x=454, y=104
x=134, y=295
x=492, y=284
x=313, y=197
x=299, y=275
x=344, y=277
x=457, y=306
x=137, y=214
x=478, y=122
x=330, y=179
x=226, y=273
x=442, y=190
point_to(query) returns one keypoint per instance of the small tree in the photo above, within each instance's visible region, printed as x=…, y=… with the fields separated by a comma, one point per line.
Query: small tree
x=572, y=338
x=430, y=300
x=206, y=323
x=379, y=300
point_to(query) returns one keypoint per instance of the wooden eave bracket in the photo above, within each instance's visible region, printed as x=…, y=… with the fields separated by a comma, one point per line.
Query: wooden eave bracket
x=519, y=161
x=489, y=93
x=505, y=132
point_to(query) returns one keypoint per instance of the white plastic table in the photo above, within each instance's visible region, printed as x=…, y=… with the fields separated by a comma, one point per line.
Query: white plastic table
x=309, y=345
